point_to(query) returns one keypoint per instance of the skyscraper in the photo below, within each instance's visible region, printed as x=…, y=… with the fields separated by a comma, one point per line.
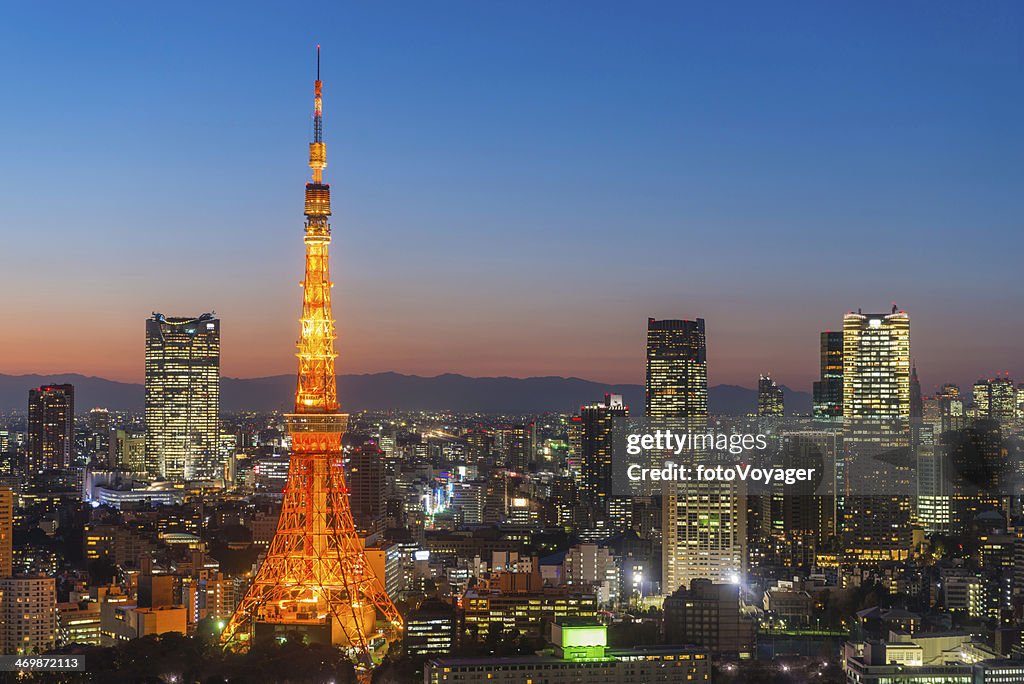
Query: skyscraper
x=996, y=399
x=981, y=393
x=596, y=449
x=51, y=428
x=951, y=408
x=677, y=369
x=183, y=397
x=876, y=366
x=770, y=400
x=364, y=473
x=828, y=391
x=916, y=397
x=703, y=524
x=519, y=447
x=876, y=416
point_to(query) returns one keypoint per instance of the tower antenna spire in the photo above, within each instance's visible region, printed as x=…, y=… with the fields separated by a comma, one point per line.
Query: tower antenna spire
x=317, y=151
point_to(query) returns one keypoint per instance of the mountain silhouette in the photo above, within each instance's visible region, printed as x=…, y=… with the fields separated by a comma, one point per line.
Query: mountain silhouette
x=380, y=391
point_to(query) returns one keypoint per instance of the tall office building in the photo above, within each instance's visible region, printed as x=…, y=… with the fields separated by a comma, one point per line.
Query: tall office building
x=996, y=399
x=828, y=391
x=364, y=473
x=876, y=416
x=51, y=428
x=677, y=369
x=519, y=447
x=876, y=366
x=916, y=397
x=951, y=408
x=703, y=524
x=595, y=446
x=770, y=400
x=128, y=450
x=6, y=532
x=981, y=394
x=183, y=397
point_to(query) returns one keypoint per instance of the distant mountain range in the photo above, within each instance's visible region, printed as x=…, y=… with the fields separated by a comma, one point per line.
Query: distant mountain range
x=378, y=391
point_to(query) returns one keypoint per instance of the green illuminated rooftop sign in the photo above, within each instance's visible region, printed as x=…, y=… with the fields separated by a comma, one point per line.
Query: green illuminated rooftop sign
x=584, y=635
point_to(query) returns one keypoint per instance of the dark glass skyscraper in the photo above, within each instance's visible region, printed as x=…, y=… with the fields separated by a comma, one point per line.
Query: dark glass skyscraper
x=51, y=428
x=596, y=449
x=828, y=391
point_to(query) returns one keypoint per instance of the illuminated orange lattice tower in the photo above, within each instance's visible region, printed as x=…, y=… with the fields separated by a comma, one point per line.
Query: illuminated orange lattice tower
x=316, y=578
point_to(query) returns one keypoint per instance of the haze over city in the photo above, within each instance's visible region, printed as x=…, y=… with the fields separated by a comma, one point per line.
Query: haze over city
x=516, y=189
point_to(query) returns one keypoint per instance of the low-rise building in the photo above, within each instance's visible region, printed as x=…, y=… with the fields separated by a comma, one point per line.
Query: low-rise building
x=122, y=621
x=78, y=623
x=708, y=615
x=430, y=629
x=580, y=653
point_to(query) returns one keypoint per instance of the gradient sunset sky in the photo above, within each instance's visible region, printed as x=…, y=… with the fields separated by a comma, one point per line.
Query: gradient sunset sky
x=517, y=186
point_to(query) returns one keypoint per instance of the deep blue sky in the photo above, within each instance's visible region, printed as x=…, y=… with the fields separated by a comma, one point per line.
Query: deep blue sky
x=517, y=186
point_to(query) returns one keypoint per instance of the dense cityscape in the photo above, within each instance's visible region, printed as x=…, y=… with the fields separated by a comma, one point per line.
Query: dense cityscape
x=184, y=544
x=499, y=542
x=182, y=541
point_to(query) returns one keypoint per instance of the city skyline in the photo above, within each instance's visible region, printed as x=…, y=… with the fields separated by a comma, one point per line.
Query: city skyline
x=461, y=248
x=303, y=489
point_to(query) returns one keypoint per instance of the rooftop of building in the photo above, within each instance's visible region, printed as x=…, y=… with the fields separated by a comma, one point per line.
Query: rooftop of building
x=612, y=654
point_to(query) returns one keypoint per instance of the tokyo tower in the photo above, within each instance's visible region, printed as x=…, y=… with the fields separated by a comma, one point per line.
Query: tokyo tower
x=316, y=579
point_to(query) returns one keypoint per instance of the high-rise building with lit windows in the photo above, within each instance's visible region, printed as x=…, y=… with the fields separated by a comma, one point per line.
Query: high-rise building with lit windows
x=703, y=524
x=596, y=449
x=981, y=394
x=876, y=366
x=876, y=417
x=770, y=400
x=677, y=369
x=951, y=408
x=183, y=397
x=996, y=399
x=51, y=428
x=828, y=390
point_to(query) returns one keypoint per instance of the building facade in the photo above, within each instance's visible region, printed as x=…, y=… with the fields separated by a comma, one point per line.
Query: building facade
x=677, y=369
x=770, y=399
x=876, y=432
x=29, y=609
x=51, y=428
x=6, y=532
x=595, y=449
x=828, y=390
x=183, y=397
